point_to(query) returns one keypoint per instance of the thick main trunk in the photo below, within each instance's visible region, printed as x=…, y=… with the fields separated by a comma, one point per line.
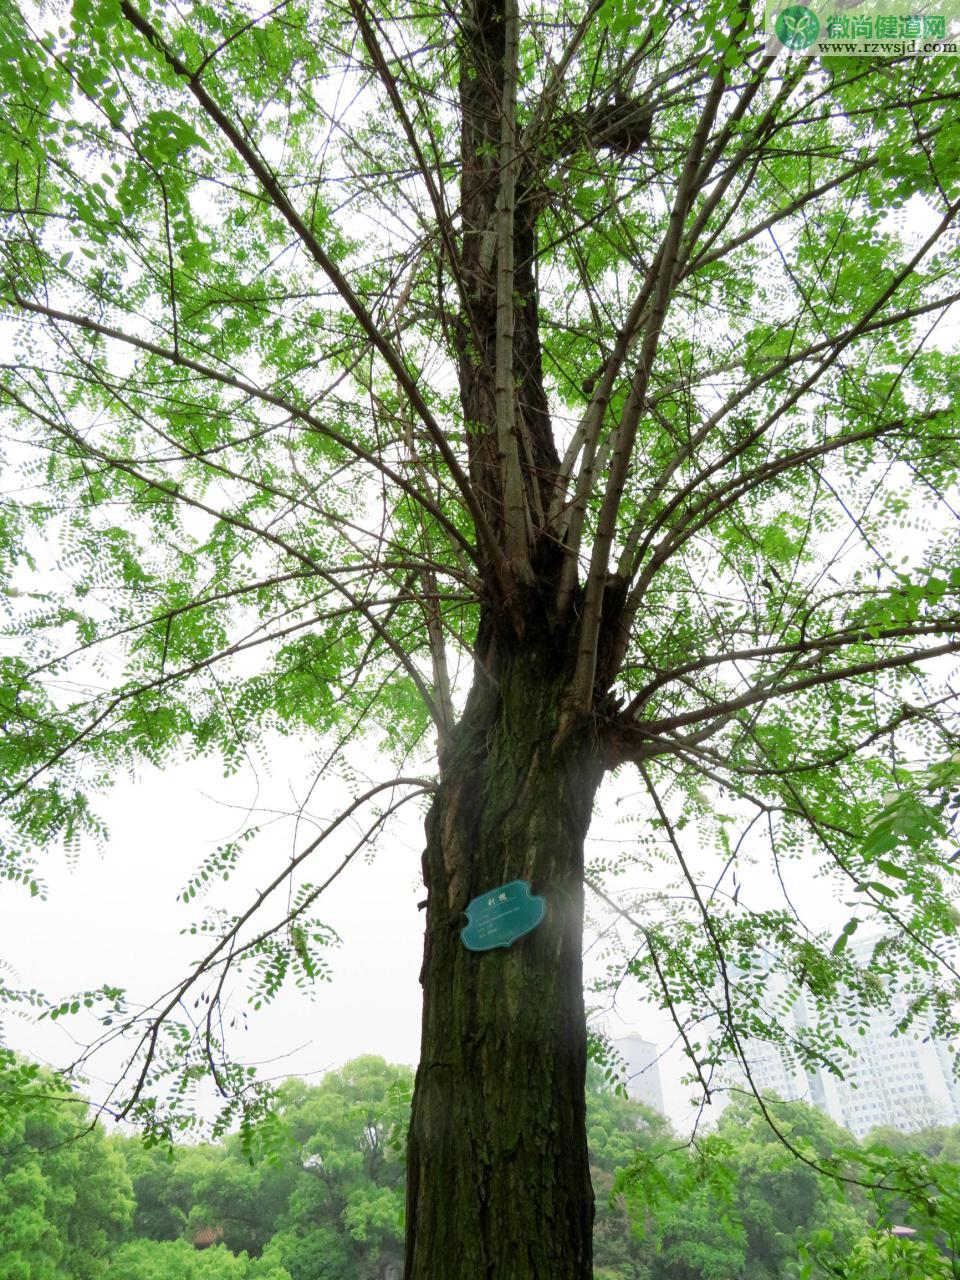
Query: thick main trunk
x=498, y=1177
x=498, y=1180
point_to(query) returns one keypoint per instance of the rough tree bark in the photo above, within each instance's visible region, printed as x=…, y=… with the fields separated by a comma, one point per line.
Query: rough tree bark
x=498, y=1172
x=498, y=1175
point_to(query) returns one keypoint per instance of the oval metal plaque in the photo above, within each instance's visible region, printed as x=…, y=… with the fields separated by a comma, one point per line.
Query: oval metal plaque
x=502, y=915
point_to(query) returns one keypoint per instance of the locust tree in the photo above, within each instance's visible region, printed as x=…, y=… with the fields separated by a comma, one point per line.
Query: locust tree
x=552, y=389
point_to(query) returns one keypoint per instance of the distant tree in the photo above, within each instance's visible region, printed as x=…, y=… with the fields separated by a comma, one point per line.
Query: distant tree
x=541, y=392
x=695, y=1242
x=326, y=1201
x=739, y=1204
x=65, y=1197
x=178, y=1260
x=617, y=1127
x=162, y=1198
x=309, y=1251
x=779, y=1200
x=349, y=1133
x=181, y=1190
x=937, y=1142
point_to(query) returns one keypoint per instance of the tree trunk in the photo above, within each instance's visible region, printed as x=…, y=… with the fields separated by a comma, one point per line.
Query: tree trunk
x=498, y=1180
x=498, y=1177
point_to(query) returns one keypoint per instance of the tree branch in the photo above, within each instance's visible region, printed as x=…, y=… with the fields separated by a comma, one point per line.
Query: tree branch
x=662, y=272
x=640, y=737
x=271, y=186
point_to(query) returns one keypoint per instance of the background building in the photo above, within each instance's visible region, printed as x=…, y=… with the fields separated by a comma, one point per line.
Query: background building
x=643, y=1071
x=903, y=1080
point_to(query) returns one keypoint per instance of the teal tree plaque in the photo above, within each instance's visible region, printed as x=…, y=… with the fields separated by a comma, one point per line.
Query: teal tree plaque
x=500, y=916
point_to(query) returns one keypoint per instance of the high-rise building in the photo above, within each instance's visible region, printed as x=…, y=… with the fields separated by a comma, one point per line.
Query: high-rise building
x=643, y=1071
x=904, y=1080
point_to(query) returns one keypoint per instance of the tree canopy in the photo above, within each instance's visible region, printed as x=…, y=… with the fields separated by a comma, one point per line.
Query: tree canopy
x=65, y=1194
x=326, y=1203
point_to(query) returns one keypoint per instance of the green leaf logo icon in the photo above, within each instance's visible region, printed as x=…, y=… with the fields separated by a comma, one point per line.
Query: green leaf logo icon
x=797, y=27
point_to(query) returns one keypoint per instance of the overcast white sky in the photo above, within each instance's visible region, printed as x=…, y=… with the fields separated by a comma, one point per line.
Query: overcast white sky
x=114, y=918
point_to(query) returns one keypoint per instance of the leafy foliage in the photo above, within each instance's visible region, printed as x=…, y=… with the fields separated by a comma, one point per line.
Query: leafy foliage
x=327, y=1201
x=65, y=1196
x=341, y=367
